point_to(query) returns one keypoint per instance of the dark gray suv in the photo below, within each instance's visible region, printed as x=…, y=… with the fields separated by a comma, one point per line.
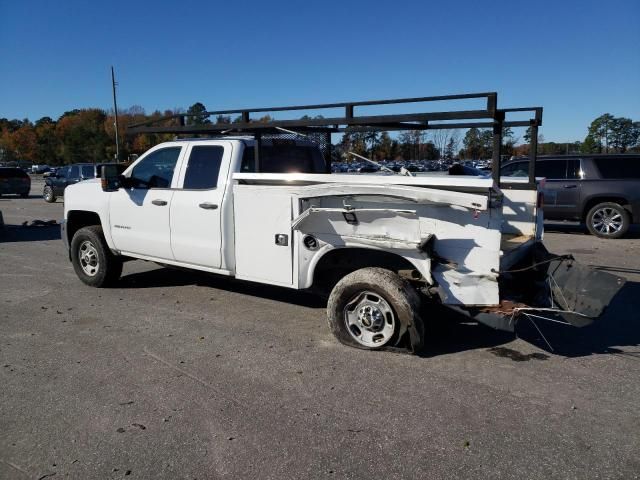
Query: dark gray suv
x=603, y=191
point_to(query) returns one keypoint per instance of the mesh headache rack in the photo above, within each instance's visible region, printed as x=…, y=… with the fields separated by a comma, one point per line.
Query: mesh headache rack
x=320, y=128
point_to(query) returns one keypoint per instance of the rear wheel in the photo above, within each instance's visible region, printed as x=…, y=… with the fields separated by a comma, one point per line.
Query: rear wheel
x=608, y=220
x=373, y=308
x=48, y=194
x=92, y=260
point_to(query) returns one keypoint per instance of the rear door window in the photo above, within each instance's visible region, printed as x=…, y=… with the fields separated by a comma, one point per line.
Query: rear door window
x=203, y=167
x=573, y=169
x=11, y=173
x=618, y=167
x=74, y=172
x=517, y=169
x=552, y=169
x=87, y=171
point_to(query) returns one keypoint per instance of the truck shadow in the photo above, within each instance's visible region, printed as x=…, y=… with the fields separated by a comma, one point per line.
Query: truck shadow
x=28, y=233
x=619, y=326
x=170, y=277
x=446, y=331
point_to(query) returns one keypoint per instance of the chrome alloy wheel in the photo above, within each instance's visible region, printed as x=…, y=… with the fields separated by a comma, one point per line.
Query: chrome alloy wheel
x=607, y=221
x=88, y=257
x=370, y=319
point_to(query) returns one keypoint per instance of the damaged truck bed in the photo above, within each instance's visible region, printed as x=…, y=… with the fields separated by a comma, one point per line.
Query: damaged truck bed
x=468, y=247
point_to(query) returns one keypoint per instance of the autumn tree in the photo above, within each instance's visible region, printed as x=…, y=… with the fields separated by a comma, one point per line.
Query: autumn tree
x=25, y=143
x=47, y=143
x=82, y=135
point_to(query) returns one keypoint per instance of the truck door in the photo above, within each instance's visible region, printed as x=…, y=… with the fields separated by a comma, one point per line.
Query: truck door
x=196, y=232
x=562, y=187
x=72, y=176
x=59, y=182
x=139, y=214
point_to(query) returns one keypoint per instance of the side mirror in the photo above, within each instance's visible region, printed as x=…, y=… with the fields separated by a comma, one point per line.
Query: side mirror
x=110, y=178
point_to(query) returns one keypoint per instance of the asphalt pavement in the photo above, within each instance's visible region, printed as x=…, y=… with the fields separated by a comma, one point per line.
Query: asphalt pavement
x=173, y=374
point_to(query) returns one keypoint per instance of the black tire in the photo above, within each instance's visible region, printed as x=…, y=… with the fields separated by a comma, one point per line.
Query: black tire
x=613, y=213
x=351, y=295
x=107, y=268
x=48, y=194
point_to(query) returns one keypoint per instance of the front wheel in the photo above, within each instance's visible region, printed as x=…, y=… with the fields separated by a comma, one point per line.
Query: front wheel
x=373, y=308
x=608, y=220
x=48, y=194
x=92, y=260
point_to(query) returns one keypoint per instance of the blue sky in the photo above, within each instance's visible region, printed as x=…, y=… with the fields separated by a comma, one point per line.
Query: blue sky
x=578, y=59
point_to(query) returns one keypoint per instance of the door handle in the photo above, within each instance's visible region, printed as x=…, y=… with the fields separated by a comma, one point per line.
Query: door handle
x=160, y=203
x=208, y=206
x=570, y=186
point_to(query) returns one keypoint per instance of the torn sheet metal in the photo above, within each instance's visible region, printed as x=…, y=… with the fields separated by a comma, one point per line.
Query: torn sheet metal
x=580, y=291
x=464, y=287
x=396, y=192
x=381, y=226
x=300, y=220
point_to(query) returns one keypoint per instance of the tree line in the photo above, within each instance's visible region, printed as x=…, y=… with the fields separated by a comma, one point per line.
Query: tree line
x=88, y=135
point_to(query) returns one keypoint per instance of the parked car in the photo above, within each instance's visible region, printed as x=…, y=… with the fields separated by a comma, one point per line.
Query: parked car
x=40, y=169
x=15, y=181
x=68, y=175
x=603, y=191
x=51, y=173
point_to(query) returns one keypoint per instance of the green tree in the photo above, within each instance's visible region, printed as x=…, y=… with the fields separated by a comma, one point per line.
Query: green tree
x=600, y=131
x=450, y=150
x=413, y=145
x=486, y=142
x=472, y=142
x=197, y=115
x=590, y=145
x=383, y=148
x=623, y=134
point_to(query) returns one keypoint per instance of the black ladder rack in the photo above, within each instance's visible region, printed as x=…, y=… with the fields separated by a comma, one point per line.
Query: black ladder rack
x=489, y=117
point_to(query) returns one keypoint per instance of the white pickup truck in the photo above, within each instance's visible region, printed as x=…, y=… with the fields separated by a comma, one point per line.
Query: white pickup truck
x=380, y=245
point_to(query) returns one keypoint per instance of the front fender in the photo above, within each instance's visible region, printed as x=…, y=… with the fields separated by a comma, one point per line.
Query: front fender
x=88, y=197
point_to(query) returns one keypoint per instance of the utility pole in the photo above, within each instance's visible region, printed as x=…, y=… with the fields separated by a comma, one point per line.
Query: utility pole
x=115, y=111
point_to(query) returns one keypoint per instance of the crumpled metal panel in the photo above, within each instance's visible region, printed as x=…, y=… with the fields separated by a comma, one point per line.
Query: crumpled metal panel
x=581, y=289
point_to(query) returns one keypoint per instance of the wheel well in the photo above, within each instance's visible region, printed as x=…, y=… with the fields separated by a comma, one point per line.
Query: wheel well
x=340, y=262
x=77, y=219
x=592, y=202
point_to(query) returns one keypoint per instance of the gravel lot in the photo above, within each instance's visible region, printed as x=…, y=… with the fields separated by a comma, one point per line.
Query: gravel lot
x=182, y=375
